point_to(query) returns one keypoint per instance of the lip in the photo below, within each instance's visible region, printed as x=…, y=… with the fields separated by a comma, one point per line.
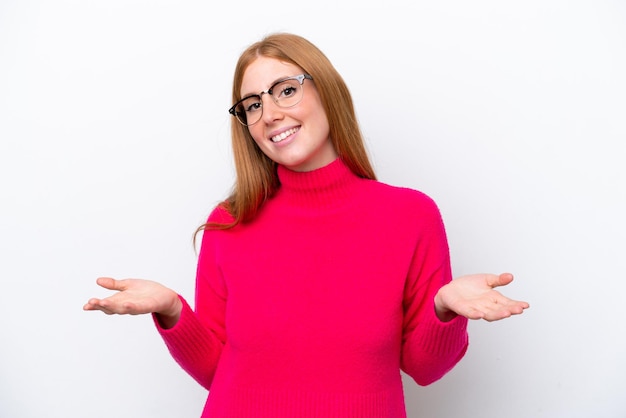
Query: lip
x=278, y=132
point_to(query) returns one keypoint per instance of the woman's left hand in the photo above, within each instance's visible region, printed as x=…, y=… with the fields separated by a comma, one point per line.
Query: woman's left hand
x=473, y=296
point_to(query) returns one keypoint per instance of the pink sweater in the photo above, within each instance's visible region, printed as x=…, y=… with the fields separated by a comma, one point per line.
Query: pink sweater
x=312, y=309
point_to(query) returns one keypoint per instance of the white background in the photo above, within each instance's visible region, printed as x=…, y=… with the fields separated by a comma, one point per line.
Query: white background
x=114, y=146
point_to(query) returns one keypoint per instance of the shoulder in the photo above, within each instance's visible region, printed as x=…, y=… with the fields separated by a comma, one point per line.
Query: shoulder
x=401, y=198
x=402, y=211
x=220, y=215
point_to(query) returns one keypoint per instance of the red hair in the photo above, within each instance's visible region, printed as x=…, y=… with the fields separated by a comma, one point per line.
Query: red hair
x=256, y=177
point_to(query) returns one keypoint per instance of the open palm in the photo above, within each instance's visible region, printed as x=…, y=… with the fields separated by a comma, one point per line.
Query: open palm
x=474, y=297
x=135, y=297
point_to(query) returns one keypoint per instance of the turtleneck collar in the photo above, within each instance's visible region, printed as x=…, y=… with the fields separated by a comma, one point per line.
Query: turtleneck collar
x=325, y=187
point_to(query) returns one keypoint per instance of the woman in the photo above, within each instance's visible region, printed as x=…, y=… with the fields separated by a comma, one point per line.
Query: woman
x=316, y=284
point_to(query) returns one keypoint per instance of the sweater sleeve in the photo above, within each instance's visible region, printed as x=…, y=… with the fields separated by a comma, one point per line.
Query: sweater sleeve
x=430, y=347
x=197, y=339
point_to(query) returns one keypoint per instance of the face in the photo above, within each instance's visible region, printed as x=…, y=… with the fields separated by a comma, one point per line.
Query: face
x=296, y=137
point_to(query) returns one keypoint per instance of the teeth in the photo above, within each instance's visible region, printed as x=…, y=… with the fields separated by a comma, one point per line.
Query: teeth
x=283, y=135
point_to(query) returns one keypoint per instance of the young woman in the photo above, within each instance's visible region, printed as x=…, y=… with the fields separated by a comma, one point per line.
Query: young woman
x=316, y=284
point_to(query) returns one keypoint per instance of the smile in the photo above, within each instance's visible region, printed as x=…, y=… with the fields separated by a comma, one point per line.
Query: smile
x=284, y=135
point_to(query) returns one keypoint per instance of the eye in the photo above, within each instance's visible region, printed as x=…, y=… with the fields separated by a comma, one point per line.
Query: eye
x=285, y=89
x=253, y=107
x=288, y=91
x=251, y=104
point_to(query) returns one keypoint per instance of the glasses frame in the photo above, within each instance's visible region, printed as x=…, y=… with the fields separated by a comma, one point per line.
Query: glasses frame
x=299, y=77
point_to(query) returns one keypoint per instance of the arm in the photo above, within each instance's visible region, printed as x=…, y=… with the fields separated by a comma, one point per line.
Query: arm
x=191, y=342
x=195, y=339
x=430, y=348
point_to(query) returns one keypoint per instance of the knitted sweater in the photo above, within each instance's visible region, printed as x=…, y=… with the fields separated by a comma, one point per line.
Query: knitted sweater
x=313, y=308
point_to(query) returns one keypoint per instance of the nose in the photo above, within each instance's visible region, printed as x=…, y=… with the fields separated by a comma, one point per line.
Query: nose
x=271, y=111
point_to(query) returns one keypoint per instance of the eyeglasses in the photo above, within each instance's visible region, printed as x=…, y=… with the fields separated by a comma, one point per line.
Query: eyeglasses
x=286, y=92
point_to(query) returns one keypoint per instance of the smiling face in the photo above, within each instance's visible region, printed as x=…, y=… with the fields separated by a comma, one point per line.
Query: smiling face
x=296, y=137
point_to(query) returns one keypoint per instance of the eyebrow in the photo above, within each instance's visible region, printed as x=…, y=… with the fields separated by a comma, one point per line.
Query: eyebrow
x=243, y=96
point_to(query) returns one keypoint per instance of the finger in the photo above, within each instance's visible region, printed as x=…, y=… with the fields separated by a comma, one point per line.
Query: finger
x=95, y=305
x=504, y=313
x=518, y=305
x=89, y=306
x=497, y=315
x=472, y=313
x=506, y=310
x=111, y=307
x=110, y=283
x=92, y=304
x=500, y=280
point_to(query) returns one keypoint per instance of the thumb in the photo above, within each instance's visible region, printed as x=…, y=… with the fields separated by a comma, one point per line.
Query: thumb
x=110, y=283
x=501, y=280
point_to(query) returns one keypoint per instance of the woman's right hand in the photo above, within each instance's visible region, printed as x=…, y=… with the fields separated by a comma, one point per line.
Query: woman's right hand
x=136, y=297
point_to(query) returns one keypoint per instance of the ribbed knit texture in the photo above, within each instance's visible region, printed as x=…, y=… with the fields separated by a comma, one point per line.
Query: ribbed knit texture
x=312, y=309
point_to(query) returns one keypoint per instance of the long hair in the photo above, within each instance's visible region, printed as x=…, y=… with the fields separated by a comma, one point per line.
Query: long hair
x=256, y=175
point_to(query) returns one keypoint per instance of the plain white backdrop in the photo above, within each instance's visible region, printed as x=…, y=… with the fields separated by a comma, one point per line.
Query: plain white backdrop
x=114, y=147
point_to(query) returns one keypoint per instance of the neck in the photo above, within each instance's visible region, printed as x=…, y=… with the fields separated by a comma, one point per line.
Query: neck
x=328, y=186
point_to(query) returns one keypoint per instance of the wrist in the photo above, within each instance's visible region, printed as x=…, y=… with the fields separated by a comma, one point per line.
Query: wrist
x=169, y=317
x=444, y=314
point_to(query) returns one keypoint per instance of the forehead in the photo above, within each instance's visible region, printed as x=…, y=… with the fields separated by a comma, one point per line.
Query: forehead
x=263, y=72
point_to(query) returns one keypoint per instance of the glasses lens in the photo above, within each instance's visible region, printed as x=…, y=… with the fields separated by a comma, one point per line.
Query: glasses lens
x=287, y=93
x=249, y=110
